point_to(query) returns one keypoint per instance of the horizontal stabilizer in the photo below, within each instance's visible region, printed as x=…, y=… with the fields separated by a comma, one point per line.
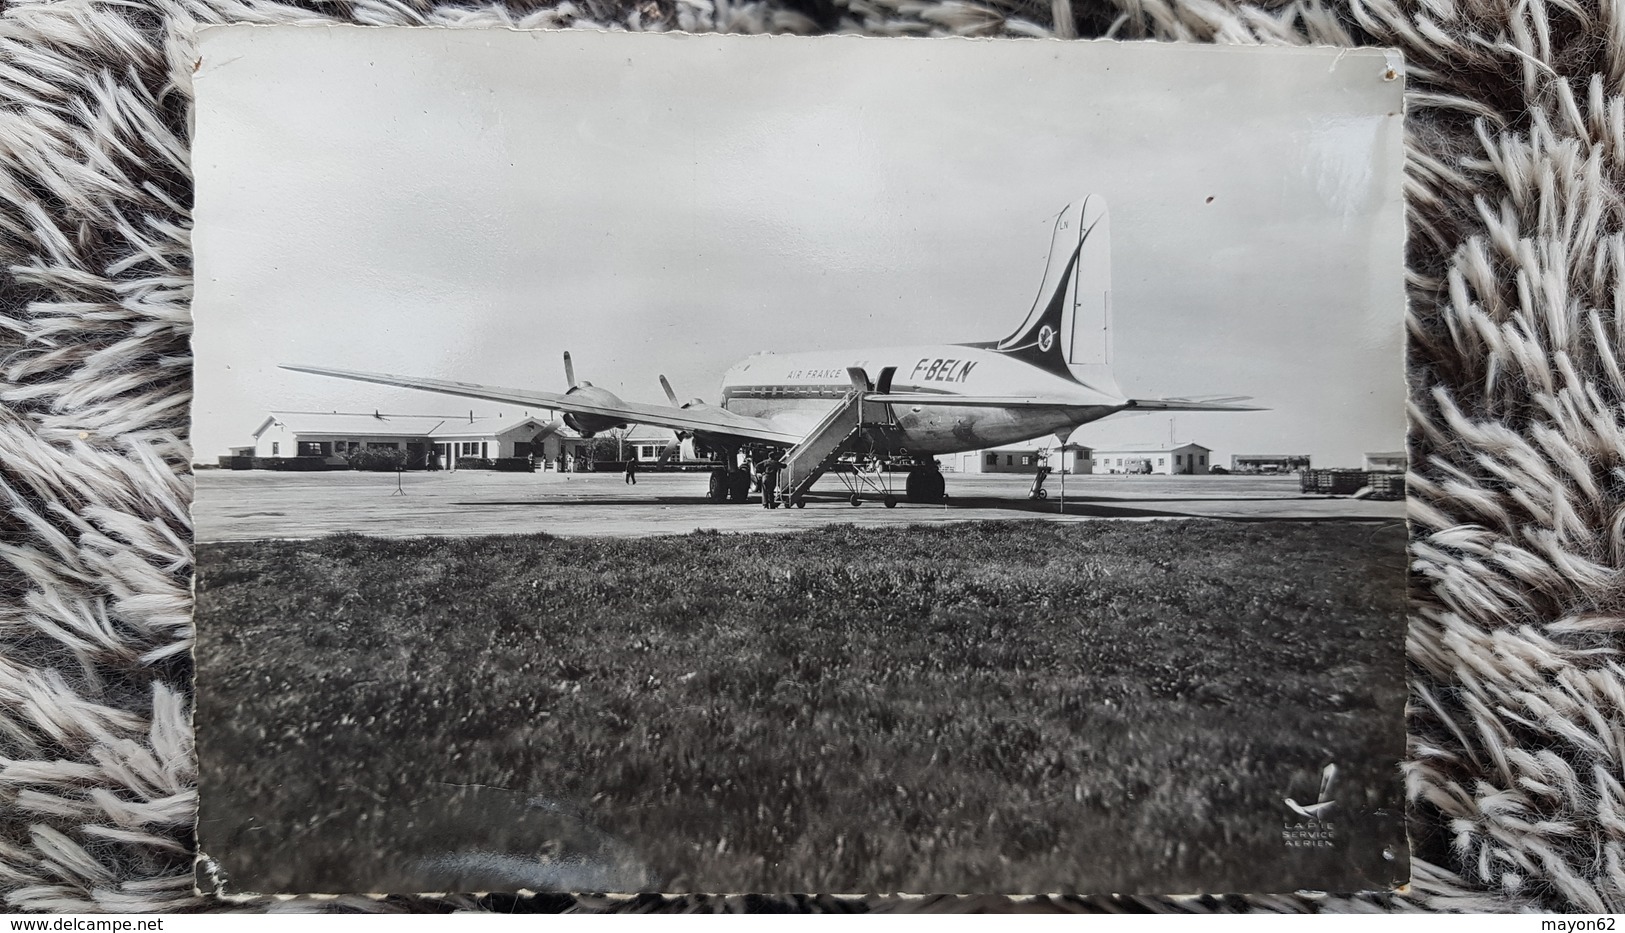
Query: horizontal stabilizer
x=1203, y=403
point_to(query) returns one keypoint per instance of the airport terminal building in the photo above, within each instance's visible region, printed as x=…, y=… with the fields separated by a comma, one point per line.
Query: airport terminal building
x=1022, y=458
x=1162, y=459
x=1269, y=463
x=439, y=441
x=1386, y=461
x=649, y=443
x=427, y=440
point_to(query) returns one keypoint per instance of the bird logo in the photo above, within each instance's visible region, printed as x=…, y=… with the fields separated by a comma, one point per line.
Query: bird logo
x=1046, y=338
x=1317, y=810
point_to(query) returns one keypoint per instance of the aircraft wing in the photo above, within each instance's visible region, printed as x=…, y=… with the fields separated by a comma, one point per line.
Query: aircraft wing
x=708, y=419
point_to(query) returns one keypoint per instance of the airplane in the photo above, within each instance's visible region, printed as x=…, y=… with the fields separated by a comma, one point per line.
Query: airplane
x=823, y=412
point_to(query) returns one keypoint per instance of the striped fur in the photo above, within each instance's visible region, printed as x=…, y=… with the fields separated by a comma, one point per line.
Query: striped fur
x=1517, y=276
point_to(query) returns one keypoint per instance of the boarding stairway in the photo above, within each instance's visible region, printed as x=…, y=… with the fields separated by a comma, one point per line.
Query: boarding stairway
x=836, y=435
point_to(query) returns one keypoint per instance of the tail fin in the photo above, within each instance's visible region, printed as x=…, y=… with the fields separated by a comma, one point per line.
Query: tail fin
x=1069, y=329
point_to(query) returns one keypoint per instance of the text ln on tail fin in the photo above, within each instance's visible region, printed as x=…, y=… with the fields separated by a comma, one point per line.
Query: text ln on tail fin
x=1069, y=329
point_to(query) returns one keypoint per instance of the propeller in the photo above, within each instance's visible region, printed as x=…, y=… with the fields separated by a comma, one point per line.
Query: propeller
x=674, y=449
x=672, y=396
x=589, y=425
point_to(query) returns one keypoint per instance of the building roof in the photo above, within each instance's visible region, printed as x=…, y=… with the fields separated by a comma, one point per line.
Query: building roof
x=319, y=422
x=491, y=427
x=1269, y=456
x=1387, y=455
x=373, y=424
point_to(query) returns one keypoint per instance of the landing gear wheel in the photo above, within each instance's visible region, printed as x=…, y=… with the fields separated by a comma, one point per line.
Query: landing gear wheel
x=739, y=486
x=799, y=503
x=856, y=500
x=1042, y=494
x=891, y=502
x=717, y=491
x=925, y=485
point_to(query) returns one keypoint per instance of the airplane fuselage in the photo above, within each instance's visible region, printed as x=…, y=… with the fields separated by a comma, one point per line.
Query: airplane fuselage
x=796, y=390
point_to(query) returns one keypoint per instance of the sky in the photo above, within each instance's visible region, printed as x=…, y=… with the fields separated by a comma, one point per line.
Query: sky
x=468, y=204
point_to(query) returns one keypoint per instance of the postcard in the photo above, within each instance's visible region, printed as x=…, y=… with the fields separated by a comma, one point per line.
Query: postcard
x=659, y=462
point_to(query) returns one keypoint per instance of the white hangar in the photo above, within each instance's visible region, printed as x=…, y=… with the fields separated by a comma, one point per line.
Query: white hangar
x=1166, y=459
x=1023, y=458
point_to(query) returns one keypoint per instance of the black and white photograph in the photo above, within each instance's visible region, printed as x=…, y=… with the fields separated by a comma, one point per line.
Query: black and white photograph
x=677, y=463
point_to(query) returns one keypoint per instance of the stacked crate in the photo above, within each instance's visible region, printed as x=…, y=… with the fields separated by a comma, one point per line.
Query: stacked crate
x=1386, y=485
x=1366, y=484
x=1332, y=482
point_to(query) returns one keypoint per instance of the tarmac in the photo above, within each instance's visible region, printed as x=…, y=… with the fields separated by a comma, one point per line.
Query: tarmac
x=252, y=504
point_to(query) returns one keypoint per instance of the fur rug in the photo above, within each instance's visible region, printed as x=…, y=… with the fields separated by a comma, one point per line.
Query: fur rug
x=1517, y=286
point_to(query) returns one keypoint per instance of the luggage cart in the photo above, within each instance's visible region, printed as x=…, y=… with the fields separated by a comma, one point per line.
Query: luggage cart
x=1038, y=491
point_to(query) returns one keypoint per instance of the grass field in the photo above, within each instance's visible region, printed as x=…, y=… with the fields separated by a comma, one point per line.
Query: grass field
x=990, y=706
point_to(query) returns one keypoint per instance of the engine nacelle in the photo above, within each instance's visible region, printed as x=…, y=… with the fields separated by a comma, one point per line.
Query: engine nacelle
x=589, y=425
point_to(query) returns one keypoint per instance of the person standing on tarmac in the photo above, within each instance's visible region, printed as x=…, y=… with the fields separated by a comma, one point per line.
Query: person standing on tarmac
x=769, y=469
x=631, y=471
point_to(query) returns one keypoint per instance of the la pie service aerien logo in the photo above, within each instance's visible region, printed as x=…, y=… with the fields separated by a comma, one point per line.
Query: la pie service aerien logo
x=1312, y=829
